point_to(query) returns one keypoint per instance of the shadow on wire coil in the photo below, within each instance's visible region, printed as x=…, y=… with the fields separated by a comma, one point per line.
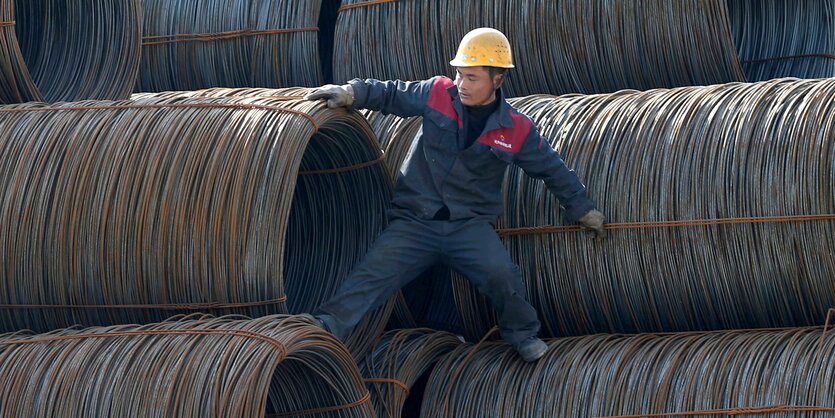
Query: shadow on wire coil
x=713, y=159
x=229, y=201
x=62, y=50
x=769, y=373
x=557, y=44
x=397, y=370
x=197, y=44
x=277, y=366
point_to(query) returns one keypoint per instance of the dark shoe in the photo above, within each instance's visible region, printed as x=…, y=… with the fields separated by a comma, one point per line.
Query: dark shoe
x=531, y=349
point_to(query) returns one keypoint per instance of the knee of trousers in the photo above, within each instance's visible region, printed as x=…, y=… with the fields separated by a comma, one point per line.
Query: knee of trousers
x=503, y=279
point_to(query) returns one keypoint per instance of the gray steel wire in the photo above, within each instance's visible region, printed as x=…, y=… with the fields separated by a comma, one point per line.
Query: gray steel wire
x=256, y=60
x=726, y=151
x=61, y=50
x=611, y=375
x=195, y=366
x=186, y=206
x=559, y=46
x=401, y=358
x=784, y=38
x=581, y=46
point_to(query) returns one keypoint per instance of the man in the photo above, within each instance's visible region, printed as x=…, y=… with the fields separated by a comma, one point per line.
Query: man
x=448, y=194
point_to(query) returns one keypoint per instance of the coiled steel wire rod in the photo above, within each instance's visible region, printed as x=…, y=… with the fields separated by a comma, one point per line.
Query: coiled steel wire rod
x=400, y=360
x=196, y=366
x=122, y=212
x=697, y=153
x=784, y=38
x=783, y=372
x=196, y=44
x=61, y=50
x=581, y=46
x=559, y=47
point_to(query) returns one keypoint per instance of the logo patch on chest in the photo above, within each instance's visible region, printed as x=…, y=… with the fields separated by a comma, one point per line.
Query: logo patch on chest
x=501, y=141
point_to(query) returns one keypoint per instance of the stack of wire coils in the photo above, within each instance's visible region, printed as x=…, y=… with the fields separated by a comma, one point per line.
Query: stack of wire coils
x=189, y=45
x=277, y=366
x=57, y=50
x=743, y=171
x=121, y=212
x=578, y=46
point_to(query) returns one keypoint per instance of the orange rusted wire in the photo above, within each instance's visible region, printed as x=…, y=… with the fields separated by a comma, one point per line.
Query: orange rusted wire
x=395, y=382
x=344, y=169
x=359, y=402
x=231, y=332
x=164, y=106
x=162, y=306
x=731, y=411
x=551, y=229
x=214, y=36
x=363, y=4
x=830, y=56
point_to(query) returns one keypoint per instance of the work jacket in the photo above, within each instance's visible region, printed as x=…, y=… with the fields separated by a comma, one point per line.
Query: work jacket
x=468, y=182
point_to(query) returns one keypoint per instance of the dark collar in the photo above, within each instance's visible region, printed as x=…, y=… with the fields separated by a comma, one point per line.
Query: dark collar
x=501, y=117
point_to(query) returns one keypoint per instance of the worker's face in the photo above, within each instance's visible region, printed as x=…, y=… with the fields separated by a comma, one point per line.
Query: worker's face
x=475, y=86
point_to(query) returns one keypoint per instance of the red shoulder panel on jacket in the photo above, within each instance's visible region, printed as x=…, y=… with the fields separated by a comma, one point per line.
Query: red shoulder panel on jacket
x=441, y=100
x=509, y=139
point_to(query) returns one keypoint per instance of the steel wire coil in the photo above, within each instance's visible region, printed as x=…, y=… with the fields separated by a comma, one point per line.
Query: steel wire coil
x=123, y=212
x=728, y=151
x=59, y=50
x=784, y=38
x=401, y=361
x=229, y=366
x=616, y=375
x=557, y=45
x=577, y=46
x=197, y=44
x=735, y=150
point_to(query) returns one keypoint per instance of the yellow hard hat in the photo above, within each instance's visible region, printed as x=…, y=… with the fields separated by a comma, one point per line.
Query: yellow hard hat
x=483, y=47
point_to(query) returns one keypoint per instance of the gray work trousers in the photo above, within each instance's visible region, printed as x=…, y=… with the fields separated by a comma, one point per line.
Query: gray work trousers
x=407, y=247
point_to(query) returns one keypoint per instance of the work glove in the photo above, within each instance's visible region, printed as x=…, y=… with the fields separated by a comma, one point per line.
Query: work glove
x=337, y=96
x=593, y=221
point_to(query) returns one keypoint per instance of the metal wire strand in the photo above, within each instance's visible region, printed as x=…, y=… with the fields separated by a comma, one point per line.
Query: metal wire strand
x=197, y=44
x=785, y=373
x=64, y=50
x=236, y=201
x=581, y=46
x=194, y=366
x=401, y=358
x=559, y=47
x=784, y=38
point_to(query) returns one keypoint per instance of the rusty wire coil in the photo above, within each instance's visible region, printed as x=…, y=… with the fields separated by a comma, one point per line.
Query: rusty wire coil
x=197, y=44
x=556, y=45
x=735, y=150
x=195, y=366
x=123, y=212
x=615, y=375
x=60, y=50
x=578, y=46
x=728, y=151
x=784, y=38
x=396, y=370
